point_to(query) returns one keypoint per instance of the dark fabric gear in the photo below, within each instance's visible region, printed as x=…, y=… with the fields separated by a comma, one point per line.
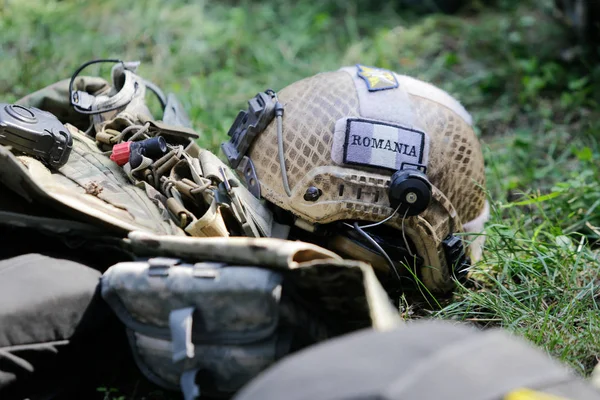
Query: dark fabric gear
x=422, y=360
x=32, y=227
x=57, y=336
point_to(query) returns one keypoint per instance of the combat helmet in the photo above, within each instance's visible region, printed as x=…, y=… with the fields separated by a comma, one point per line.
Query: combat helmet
x=372, y=164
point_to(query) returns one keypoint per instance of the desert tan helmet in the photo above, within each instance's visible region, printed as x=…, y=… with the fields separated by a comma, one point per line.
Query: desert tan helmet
x=379, y=166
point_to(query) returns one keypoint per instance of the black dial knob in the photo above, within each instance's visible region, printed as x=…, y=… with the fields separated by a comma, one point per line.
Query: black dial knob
x=410, y=189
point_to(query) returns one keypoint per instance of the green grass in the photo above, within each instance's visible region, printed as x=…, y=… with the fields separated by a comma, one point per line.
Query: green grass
x=532, y=91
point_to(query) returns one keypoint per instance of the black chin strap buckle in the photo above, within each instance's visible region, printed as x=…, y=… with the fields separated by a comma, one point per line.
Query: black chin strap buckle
x=456, y=257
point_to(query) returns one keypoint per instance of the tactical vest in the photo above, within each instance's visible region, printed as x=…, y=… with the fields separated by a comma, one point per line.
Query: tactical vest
x=187, y=191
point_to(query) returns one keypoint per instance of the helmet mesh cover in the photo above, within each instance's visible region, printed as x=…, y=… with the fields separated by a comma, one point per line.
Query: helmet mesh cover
x=314, y=105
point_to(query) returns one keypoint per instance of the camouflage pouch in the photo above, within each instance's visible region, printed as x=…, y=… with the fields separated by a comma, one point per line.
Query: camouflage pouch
x=213, y=317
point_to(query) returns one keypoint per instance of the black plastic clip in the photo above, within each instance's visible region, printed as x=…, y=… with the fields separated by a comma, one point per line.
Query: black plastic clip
x=248, y=124
x=159, y=266
x=456, y=256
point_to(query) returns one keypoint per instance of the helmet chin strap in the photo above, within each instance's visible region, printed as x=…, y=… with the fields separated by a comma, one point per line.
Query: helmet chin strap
x=454, y=223
x=455, y=256
x=378, y=253
x=378, y=247
x=373, y=242
x=350, y=248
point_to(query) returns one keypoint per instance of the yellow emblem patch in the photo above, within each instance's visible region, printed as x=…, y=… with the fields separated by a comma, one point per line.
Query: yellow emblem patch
x=528, y=394
x=377, y=78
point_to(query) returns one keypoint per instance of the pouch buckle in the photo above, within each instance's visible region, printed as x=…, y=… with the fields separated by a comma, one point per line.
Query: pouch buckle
x=159, y=266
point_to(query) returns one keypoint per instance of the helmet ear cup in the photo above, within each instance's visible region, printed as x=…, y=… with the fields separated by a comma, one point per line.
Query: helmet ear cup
x=411, y=190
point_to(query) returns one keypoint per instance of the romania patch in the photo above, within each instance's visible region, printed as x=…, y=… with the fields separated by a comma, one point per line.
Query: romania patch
x=377, y=78
x=528, y=394
x=384, y=145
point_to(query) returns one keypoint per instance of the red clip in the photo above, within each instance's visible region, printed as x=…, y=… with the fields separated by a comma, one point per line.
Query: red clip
x=120, y=153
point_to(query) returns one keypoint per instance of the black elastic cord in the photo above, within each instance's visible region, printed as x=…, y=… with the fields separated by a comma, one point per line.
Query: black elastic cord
x=77, y=72
x=159, y=93
x=378, y=247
